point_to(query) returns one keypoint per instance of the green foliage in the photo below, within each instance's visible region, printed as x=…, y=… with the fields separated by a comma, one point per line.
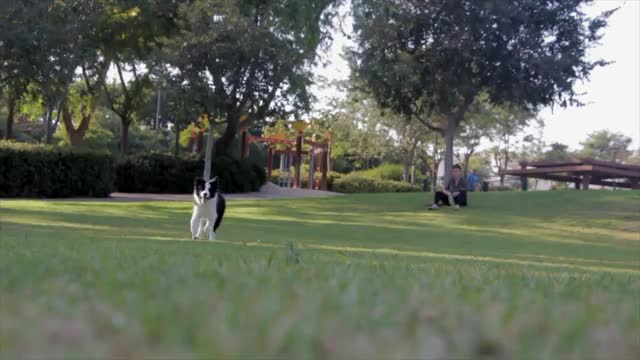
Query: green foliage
x=248, y=58
x=433, y=59
x=385, y=171
x=606, y=145
x=155, y=173
x=49, y=172
x=353, y=183
x=558, y=152
x=342, y=165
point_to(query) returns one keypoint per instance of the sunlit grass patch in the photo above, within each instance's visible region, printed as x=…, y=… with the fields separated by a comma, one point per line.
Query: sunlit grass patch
x=515, y=275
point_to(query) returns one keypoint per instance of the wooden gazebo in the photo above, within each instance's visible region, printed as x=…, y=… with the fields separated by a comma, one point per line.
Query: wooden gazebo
x=582, y=173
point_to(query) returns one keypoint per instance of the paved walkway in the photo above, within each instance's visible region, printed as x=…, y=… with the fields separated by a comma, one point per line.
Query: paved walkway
x=268, y=191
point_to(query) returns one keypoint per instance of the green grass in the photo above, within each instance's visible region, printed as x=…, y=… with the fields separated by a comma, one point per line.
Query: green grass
x=551, y=275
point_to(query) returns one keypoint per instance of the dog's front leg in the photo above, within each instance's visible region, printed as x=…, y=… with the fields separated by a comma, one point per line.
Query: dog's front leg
x=212, y=234
x=195, y=226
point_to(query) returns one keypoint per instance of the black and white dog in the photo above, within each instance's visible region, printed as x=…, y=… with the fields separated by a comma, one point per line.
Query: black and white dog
x=208, y=207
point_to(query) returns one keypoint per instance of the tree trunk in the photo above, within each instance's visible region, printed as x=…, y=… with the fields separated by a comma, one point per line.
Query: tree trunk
x=405, y=171
x=467, y=157
x=58, y=114
x=8, y=131
x=124, y=136
x=448, y=151
x=48, y=128
x=176, y=149
x=501, y=179
x=75, y=135
x=413, y=175
x=223, y=144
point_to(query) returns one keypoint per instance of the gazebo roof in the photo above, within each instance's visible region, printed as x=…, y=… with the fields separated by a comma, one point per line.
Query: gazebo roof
x=586, y=171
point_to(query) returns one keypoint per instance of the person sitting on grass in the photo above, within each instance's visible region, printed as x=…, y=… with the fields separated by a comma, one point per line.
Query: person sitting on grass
x=454, y=193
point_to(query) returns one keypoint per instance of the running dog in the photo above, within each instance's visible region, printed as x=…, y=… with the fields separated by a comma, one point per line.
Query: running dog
x=208, y=208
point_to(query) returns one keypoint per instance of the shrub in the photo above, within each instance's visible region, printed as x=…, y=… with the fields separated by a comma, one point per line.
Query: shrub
x=50, y=172
x=385, y=171
x=342, y=165
x=357, y=184
x=154, y=173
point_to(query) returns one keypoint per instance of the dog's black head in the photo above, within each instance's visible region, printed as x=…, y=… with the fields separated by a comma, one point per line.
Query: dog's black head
x=205, y=189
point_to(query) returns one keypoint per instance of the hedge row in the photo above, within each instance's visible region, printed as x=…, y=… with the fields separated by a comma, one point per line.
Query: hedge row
x=165, y=174
x=356, y=184
x=36, y=171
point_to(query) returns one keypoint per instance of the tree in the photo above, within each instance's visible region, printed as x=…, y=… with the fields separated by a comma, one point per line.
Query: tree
x=248, y=58
x=509, y=122
x=435, y=57
x=557, y=152
x=606, y=145
x=21, y=42
x=481, y=117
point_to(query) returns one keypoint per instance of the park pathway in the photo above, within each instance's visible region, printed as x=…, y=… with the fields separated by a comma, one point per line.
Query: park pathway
x=268, y=191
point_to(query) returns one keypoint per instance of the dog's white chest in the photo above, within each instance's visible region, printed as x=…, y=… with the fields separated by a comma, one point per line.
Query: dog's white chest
x=206, y=210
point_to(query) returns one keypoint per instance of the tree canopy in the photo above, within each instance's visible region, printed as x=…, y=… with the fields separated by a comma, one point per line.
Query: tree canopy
x=436, y=56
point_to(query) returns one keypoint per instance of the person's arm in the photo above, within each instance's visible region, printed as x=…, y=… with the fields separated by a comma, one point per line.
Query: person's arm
x=462, y=186
x=447, y=186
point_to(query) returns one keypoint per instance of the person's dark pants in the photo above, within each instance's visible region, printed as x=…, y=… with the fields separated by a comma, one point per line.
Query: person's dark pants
x=442, y=199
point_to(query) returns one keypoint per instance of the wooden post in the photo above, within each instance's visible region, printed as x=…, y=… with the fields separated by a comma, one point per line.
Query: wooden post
x=289, y=166
x=312, y=166
x=243, y=145
x=324, y=166
x=270, y=163
x=586, y=179
x=298, y=161
x=577, y=185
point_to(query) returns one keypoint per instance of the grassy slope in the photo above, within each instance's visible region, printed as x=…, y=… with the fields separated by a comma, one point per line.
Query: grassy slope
x=547, y=275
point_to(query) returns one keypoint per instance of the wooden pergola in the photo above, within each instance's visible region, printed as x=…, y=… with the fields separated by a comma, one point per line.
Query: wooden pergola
x=582, y=173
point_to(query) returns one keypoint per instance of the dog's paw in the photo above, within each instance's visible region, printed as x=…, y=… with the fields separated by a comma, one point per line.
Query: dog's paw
x=194, y=238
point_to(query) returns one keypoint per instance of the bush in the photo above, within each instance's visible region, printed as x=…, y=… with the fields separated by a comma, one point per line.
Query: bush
x=342, y=165
x=49, y=172
x=357, y=184
x=501, y=188
x=165, y=174
x=385, y=171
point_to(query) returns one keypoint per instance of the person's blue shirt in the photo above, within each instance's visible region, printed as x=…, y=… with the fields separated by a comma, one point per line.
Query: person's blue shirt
x=472, y=181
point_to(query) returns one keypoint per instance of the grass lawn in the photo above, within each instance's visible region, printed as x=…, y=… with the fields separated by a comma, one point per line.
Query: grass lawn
x=552, y=275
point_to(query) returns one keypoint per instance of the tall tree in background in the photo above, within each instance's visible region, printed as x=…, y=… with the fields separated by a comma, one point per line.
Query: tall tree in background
x=481, y=118
x=606, y=145
x=509, y=122
x=249, y=58
x=21, y=51
x=557, y=152
x=434, y=57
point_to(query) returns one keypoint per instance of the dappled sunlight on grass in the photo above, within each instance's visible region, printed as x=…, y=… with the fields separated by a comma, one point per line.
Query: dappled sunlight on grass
x=34, y=221
x=425, y=254
x=522, y=275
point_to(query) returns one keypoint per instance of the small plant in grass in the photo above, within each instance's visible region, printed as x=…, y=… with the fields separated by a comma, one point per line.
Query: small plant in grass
x=292, y=253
